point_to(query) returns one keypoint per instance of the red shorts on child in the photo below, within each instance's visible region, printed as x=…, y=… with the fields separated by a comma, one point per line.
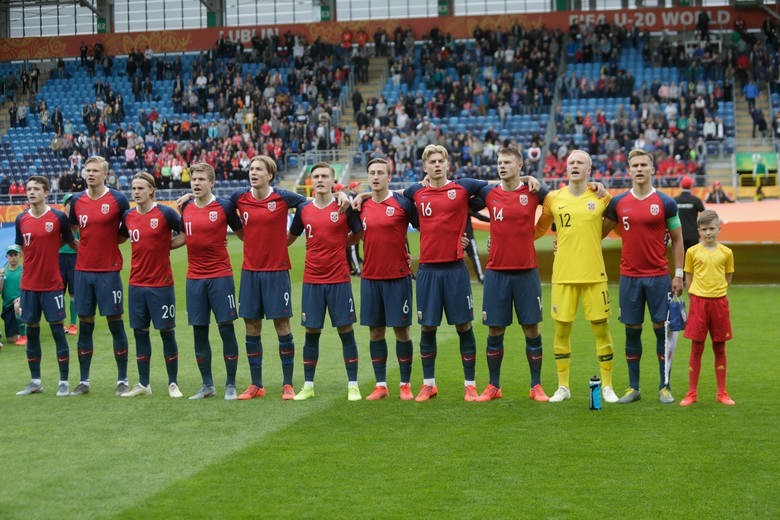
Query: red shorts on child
x=708, y=315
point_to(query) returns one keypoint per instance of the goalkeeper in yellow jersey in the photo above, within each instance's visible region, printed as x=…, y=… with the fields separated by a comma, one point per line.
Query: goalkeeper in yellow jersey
x=578, y=271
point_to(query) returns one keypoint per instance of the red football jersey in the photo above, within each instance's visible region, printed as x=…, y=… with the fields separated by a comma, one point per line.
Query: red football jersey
x=150, y=239
x=265, y=228
x=206, y=233
x=41, y=238
x=384, y=237
x=98, y=221
x=512, y=219
x=642, y=224
x=327, y=233
x=442, y=214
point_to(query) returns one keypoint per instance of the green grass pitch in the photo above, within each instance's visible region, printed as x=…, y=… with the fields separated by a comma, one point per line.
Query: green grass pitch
x=99, y=456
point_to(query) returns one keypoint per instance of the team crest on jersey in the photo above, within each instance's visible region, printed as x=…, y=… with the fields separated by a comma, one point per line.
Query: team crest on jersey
x=213, y=216
x=105, y=208
x=272, y=206
x=49, y=227
x=451, y=194
x=334, y=216
x=389, y=211
x=655, y=209
x=153, y=223
x=524, y=199
x=591, y=206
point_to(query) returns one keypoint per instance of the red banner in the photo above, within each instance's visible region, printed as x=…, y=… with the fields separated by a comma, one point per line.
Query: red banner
x=674, y=19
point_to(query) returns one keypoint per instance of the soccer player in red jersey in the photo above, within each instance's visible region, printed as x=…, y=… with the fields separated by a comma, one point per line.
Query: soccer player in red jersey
x=265, y=274
x=152, y=229
x=326, y=281
x=386, y=284
x=512, y=277
x=644, y=218
x=210, y=285
x=40, y=231
x=97, y=214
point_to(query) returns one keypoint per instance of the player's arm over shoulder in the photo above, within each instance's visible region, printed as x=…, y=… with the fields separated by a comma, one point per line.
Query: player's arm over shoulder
x=546, y=218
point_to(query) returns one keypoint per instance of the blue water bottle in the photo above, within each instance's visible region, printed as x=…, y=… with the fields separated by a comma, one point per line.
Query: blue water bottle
x=595, y=393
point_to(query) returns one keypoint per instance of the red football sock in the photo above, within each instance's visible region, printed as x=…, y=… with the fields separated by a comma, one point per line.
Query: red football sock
x=719, y=348
x=694, y=365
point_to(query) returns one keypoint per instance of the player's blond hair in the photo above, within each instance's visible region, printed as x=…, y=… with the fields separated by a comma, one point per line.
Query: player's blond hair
x=270, y=164
x=435, y=148
x=638, y=152
x=583, y=152
x=204, y=168
x=100, y=162
x=707, y=216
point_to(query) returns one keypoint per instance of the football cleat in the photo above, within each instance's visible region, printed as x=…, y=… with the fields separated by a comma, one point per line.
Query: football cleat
x=173, y=391
x=405, y=392
x=307, y=392
x=81, y=389
x=426, y=392
x=609, y=395
x=470, y=393
x=204, y=392
x=561, y=394
x=22, y=341
x=723, y=398
x=353, y=393
x=63, y=389
x=251, y=392
x=665, y=395
x=537, y=394
x=690, y=398
x=73, y=330
x=489, y=393
x=631, y=395
x=288, y=394
x=230, y=393
x=380, y=392
x=138, y=389
x=122, y=387
x=31, y=388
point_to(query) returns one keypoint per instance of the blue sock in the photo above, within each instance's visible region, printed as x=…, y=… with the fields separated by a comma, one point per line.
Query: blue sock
x=143, y=354
x=633, y=355
x=660, y=349
x=85, y=348
x=200, y=335
x=254, y=355
x=495, y=355
x=468, y=353
x=117, y=328
x=533, y=353
x=171, y=353
x=34, y=351
x=378, y=351
x=287, y=356
x=230, y=351
x=311, y=353
x=405, y=353
x=63, y=352
x=350, y=351
x=428, y=353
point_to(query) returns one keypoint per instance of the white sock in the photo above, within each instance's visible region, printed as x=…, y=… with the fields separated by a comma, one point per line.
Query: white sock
x=381, y=383
x=351, y=384
x=469, y=383
x=308, y=384
x=63, y=382
x=35, y=381
x=430, y=382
